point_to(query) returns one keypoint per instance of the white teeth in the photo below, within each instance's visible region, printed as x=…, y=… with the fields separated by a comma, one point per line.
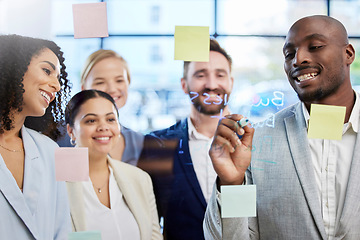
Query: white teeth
x=306, y=76
x=102, y=138
x=45, y=96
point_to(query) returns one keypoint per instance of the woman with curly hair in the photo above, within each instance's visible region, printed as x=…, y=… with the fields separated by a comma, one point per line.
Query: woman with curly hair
x=32, y=79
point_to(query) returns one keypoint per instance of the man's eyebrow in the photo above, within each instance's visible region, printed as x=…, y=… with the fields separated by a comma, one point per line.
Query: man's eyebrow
x=307, y=38
x=199, y=71
x=315, y=36
x=221, y=70
x=52, y=65
x=288, y=45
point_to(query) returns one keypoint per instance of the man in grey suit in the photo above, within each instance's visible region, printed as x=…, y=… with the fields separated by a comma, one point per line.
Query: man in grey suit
x=306, y=188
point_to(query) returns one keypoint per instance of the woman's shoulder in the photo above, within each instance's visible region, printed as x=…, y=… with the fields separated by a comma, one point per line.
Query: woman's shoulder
x=39, y=138
x=126, y=168
x=129, y=133
x=39, y=146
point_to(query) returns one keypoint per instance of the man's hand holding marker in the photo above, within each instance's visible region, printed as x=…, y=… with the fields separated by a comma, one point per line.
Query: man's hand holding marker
x=230, y=150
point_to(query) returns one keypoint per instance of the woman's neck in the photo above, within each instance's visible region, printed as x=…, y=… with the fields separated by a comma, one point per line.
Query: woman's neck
x=98, y=163
x=12, y=138
x=14, y=132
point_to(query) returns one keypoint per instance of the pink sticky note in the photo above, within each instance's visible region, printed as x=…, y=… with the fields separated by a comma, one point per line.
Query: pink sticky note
x=90, y=20
x=72, y=164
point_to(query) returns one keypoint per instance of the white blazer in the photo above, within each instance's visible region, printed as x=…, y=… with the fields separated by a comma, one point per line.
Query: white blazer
x=137, y=189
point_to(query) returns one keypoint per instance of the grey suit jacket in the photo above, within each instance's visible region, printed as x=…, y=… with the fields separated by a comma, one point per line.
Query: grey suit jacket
x=288, y=205
x=137, y=190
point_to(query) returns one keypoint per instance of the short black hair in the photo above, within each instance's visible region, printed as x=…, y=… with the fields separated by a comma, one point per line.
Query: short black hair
x=16, y=53
x=73, y=107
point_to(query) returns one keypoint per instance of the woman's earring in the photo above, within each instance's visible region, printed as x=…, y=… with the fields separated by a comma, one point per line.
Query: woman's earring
x=72, y=142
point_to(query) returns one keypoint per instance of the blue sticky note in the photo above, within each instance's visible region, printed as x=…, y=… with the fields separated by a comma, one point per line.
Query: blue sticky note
x=86, y=235
x=238, y=201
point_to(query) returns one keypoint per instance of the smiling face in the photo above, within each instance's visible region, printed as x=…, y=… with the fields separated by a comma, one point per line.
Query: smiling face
x=211, y=81
x=41, y=82
x=96, y=126
x=317, y=58
x=109, y=75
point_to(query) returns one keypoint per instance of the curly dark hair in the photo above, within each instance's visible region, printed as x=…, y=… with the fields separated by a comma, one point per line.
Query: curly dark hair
x=16, y=53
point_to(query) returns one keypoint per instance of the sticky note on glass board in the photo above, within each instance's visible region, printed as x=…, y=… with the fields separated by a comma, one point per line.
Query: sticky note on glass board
x=90, y=20
x=72, y=164
x=326, y=122
x=85, y=235
x=238, y=201
x=192, y=43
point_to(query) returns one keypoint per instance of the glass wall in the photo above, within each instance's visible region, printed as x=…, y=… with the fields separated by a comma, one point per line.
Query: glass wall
x=252, y=32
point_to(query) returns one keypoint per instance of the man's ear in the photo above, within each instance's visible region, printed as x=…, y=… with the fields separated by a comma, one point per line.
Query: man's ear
x=350, y=54
x=232, y=82
x=184, y=85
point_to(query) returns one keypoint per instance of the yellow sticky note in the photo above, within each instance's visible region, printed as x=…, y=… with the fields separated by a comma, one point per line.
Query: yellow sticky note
x=192, y=43
x=90, y=20
x=326, y=122
x=238, y=201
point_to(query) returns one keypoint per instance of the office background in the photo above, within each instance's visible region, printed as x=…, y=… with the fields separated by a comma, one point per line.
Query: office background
x=252, y=31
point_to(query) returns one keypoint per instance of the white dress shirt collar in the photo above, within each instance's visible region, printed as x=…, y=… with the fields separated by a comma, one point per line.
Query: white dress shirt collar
x=193, y=133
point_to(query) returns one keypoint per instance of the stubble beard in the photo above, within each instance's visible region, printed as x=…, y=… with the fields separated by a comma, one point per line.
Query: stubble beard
x=209, y=109
x=322, y=92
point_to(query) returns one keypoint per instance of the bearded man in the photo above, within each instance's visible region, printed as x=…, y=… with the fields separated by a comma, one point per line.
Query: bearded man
x=183, y=190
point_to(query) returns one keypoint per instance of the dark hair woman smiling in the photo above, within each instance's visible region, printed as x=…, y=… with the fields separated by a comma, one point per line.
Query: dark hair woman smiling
x=119, y=199
x=32, y=78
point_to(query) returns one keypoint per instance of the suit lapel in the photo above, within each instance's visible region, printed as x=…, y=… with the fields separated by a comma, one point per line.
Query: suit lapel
x=352, y=203
x=186, y=163
x=24, y=204
x=298, y=143
x=33, y=173
x=76, y=202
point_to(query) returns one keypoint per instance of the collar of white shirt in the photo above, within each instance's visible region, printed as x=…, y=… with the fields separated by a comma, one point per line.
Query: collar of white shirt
x=193, y=133
x=353, y=120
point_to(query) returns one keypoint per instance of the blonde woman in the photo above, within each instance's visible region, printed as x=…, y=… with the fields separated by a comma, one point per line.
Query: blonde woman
x=107, y=71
